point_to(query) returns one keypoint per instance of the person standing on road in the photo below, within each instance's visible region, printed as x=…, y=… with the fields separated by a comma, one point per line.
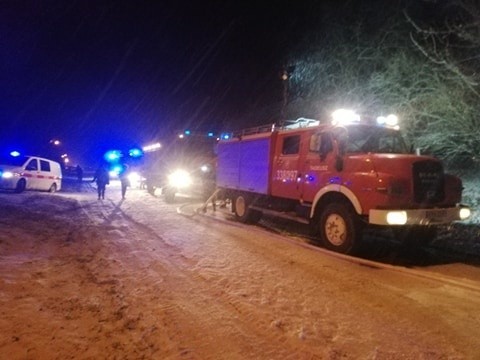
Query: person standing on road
x=103, y=179
x=79, y=171
x=123, y=175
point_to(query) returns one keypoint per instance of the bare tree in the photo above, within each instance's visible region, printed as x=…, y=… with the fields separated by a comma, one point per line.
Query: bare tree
x=448, y=122
x=423, y=73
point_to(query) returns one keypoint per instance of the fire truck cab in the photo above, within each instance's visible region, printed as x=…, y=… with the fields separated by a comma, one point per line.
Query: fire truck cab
x=338, y=178
x=184, y=166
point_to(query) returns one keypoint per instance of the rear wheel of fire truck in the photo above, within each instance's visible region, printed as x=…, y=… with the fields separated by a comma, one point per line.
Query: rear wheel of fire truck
x=340, y=228
x=21, y=185
x=415, y=236
x=242, y=210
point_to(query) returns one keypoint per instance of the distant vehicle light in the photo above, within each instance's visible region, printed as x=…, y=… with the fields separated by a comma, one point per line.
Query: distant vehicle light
x=135, y=153
x=113, y=155
x=397, y=217
x=115, y=171
x=135, y=179
x=344, y=117
x=465, y=213
x=180, y=179
x=152, y=147
x=15, y=153
x=205, y=168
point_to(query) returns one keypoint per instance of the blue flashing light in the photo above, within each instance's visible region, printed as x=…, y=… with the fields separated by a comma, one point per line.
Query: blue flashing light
x=135, y=153
x=210, y=134
x=187, y=132
x=116, y=169
x=335, y=180
x=15, y=153
x=225, y=136
x=112, y=155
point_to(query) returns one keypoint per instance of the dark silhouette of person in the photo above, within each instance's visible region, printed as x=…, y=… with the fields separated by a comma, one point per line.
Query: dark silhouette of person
x=103, y=179
x=79, y=171
x=123, y=175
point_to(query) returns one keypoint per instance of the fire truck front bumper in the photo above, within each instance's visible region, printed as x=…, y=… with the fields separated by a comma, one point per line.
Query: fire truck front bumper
x=437, y=216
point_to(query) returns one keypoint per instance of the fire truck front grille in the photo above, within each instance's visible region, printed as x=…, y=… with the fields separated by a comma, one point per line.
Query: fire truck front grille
x=428, y=182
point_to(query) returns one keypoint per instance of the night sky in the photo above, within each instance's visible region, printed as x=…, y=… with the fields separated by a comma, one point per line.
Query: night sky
x=113, y=74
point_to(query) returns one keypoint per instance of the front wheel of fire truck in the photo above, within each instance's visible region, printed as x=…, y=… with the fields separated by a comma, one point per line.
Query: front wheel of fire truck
x=339, y=228
x=242, y=210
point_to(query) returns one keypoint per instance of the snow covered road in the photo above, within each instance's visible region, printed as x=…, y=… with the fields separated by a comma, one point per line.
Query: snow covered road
x=85, y=279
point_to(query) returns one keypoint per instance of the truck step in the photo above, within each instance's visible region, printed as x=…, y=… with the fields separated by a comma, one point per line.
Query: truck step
x=284, y=215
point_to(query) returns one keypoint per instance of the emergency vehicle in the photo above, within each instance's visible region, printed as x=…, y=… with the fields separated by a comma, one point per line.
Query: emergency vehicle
x=338, y=177
x=21, y=173
x=183, y=166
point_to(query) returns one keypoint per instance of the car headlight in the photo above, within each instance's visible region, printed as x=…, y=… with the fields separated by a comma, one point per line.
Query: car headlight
x=7, y=174
x=180, y=179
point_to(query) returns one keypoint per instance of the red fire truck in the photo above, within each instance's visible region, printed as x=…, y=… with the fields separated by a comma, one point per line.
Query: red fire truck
x=338, y=177
x=185, y=165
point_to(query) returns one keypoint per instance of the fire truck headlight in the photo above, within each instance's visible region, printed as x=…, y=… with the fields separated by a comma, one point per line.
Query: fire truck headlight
x=397, y=218
x=7, y=175
x=135, y=179
x=465, y=213
x=180, y=179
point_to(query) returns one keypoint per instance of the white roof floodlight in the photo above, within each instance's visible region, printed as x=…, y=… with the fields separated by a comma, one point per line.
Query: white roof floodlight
x=390, y=121
x=381, y=120
x=344, y=117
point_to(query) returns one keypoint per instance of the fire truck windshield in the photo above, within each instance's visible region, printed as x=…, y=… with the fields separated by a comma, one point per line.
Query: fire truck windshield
x=375, y=139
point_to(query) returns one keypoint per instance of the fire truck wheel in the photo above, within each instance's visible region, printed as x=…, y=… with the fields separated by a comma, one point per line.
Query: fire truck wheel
x=243, y=212
x=339, y=228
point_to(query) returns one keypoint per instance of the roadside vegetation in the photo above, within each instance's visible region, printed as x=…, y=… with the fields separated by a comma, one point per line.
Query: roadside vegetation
x=425, y=69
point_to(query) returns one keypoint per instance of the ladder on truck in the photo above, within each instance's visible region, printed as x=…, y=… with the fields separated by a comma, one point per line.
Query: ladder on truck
x=285, y=125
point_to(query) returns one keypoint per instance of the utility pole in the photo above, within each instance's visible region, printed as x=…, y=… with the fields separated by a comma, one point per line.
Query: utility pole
x=285, y=76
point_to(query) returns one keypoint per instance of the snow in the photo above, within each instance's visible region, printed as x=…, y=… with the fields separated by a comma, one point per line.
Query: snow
x=87, y=279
